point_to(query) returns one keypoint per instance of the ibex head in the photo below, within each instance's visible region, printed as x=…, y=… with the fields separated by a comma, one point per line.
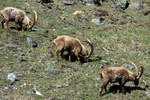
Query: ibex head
x=137, y=75
x=86, y=54
x=30, y=23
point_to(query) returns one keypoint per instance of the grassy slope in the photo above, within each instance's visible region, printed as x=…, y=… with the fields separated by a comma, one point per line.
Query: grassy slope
x=122, y=43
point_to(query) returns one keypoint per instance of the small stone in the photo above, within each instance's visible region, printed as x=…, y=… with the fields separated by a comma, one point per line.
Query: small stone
x=68, y=2
x=31, y=43
x=11, y=77
x=58, y=86
x=37, y=92
x=23, y=85
x=96, y=21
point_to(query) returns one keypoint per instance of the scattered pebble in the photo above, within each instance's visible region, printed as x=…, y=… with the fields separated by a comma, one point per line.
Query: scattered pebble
x=10, y=87
x=23, y=85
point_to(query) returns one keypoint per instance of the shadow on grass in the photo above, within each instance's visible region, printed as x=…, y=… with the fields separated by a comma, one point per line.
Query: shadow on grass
x=14, y=28
x=95, y=59
x=128, y=89
x=74, y=59
x=23, y=29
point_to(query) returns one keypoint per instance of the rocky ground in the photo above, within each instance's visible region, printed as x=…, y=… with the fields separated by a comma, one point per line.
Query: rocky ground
x=29, y=69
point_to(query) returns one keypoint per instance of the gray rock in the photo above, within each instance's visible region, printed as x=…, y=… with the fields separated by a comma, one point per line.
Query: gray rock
x=11, y=77
x=69, y=2
x=96, y=21
x=31, y=43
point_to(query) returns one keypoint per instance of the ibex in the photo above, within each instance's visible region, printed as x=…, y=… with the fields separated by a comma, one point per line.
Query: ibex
x=73, y=47
x=18, y=16
x=121, y=75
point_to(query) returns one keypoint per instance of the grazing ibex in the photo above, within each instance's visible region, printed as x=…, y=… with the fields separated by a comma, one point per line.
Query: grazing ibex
x=18, y=16
x=121, y=75
x=73, y=47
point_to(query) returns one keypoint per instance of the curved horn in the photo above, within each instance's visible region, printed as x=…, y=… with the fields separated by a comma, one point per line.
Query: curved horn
x=92, y=48
x=34, y=18
x=140, y=73
x=1, y=13
x=137, y=70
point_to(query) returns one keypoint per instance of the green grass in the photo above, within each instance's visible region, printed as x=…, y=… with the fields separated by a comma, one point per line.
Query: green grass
x=115, y=43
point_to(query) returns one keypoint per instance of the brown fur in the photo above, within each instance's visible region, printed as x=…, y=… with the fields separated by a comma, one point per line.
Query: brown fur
x=18, y=16
x=73, y=46
x=121, y=75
